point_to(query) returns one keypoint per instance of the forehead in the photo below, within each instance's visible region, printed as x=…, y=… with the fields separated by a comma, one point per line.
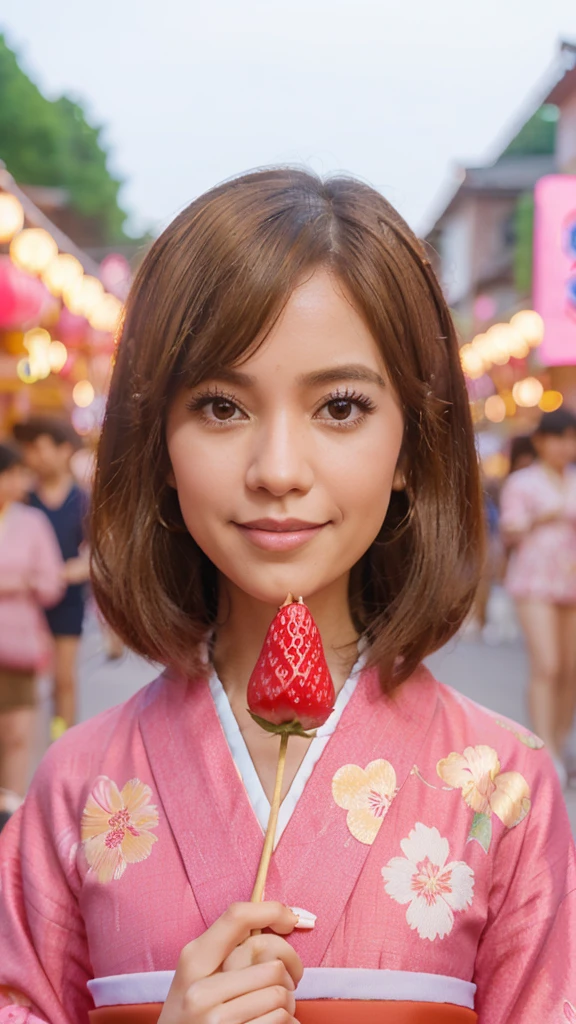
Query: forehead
x=318, y=327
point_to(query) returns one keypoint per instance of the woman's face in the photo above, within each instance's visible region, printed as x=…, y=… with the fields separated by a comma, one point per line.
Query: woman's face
x=285, y=464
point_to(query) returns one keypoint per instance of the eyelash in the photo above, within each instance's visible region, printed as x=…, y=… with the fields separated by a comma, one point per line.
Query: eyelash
x=198, y=403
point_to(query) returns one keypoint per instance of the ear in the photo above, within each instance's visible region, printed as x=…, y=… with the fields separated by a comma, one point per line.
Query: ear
x=171, y=479
x=399, y=481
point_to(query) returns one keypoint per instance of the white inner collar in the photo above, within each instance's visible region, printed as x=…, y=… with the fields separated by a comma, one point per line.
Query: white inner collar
x=245, y=765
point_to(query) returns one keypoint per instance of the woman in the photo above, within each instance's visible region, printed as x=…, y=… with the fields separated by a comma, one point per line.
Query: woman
x=31, y=578
x=538, y=518
x=288, y=413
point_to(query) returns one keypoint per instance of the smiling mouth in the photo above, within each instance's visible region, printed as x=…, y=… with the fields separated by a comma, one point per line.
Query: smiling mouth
x=279, y=534
x=281, y=525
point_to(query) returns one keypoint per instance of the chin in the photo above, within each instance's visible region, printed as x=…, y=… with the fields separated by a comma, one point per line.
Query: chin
x=274, y=589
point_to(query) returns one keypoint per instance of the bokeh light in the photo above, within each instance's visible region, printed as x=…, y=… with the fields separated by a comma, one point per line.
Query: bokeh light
x=550, y=401
x=530, y=325
x=11, y=216
x=83, y=394
x=83, y=295
x=24, y=372
x=472, y=362
x=61, y=272
x=527, y=392
x=32, y=250
x=497, y=341
x=57, y=356
x=495, y=409
x=106, y=314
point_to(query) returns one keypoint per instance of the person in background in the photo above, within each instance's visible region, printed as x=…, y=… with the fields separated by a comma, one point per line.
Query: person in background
x=522, y=453
x=538, y=522
x=48, y=445
x=31, y=578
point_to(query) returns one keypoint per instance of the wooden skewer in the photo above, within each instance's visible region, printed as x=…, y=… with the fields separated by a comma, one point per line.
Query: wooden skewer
x=260, y=885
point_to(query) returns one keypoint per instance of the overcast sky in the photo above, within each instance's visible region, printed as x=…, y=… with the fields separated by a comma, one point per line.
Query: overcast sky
x=399, y=92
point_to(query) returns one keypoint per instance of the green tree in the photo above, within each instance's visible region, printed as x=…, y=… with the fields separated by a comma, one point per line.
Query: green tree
x=44, y=142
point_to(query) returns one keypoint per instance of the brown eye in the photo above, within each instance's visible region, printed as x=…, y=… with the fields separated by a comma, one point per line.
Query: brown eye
x=340, y=408
x=223, y=409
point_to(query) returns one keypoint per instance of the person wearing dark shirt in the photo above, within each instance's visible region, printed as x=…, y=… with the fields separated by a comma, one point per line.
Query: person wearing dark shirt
x=48, y=445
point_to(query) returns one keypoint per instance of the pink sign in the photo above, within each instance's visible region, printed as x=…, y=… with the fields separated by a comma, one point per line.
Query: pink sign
x=555, y=267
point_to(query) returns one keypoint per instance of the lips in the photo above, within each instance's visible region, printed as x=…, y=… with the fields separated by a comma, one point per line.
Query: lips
x=279, y=535
x=281, y=525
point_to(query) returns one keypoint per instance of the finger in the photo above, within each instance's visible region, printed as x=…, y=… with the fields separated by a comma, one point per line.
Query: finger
x=221, y=988
x=262, y=948
x=204, y=955
x=276, y=1017
x=258, y=1004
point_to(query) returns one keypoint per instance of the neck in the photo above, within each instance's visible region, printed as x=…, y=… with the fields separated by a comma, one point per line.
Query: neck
x=239, y=639
x=558, y=470
x=56, y=481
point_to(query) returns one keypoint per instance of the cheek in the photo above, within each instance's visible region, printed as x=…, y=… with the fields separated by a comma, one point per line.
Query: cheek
x=201, y=477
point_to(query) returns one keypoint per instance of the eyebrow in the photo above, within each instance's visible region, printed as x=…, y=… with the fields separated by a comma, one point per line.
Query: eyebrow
x=331, y=375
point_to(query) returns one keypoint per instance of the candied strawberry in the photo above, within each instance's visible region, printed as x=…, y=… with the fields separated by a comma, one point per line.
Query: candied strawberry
x=291, y=690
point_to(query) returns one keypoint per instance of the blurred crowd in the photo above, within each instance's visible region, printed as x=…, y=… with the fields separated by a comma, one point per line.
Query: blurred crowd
x=531, y=529
x=44, y=572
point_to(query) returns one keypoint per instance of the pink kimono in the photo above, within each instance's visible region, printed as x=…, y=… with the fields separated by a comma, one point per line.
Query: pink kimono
x=428, y=835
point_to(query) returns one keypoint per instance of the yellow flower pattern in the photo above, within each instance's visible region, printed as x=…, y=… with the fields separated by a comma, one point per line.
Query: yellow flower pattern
x=115, y=828
x=366, y=793
x=487, y=790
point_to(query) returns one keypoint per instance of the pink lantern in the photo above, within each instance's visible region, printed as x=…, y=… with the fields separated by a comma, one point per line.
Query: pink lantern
x=22, y=297
x=71, y=329
x=115, y=274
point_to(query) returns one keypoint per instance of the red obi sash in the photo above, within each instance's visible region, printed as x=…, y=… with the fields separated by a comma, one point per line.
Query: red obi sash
x=319, y=1011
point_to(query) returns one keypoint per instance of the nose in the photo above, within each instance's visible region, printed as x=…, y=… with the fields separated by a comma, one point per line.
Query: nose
x=279, y=460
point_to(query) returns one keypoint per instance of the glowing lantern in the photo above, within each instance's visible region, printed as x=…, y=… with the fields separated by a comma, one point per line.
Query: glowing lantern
x=83, y=295
x=83, y=394
x=106, y=314
x=36, y=339
x=497, y=337
x=61, y=272
x=550, y=401
x=24, y=371
x=32, y=250
x=21, y=296
x=495, y=409
x=11, y=216
x=530, y=325
x=472, y=362
x=57, y=356
x=528, y=392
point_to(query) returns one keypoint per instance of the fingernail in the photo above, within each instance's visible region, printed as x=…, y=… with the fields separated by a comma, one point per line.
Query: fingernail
x=306, y=920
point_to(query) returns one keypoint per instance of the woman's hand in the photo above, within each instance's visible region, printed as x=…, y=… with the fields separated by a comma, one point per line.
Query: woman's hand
x=228, y=977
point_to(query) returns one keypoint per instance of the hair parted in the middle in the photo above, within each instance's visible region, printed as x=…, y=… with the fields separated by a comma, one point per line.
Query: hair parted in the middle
x=206, y=295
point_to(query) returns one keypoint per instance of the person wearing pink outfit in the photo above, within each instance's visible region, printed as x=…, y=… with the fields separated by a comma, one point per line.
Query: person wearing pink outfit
x=288, y=415
x=31, y=578
x=538, y=521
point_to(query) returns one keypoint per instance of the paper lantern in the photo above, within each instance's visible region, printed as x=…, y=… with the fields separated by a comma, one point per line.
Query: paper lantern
x=22, y=297
x=32, y=250
x=61, y=272
x=11, y=216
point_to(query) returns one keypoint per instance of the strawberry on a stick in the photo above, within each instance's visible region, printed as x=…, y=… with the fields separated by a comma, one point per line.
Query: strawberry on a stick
x=290, y=692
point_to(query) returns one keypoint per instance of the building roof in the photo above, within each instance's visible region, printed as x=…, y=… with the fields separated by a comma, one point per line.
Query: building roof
x=36, y=218
x=507, y=177
x=528, y=155
x=565, y=86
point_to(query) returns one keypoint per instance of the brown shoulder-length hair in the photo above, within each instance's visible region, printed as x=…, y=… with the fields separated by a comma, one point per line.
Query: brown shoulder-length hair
x=207, y=292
